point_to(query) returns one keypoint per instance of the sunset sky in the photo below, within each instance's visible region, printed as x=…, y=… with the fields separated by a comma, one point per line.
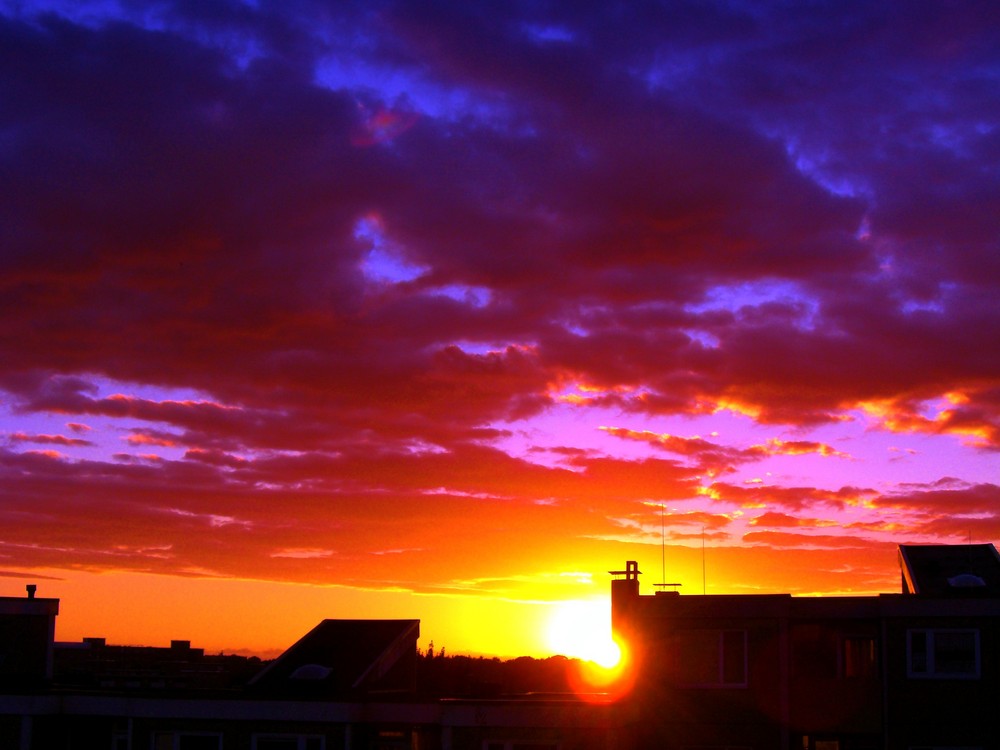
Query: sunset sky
x=443, y=310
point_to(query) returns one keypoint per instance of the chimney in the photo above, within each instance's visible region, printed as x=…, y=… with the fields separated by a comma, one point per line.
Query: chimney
x=31, y=590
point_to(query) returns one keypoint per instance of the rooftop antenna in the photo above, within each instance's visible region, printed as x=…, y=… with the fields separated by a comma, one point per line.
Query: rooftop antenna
x=663, y=549
x=663, y=557
x=704, y=588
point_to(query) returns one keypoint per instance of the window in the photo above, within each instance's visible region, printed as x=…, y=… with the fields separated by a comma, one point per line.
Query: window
x=187, y=741
x=943, y=653
x=860, y=657
x=121, y=735
x=288, y=742
x=711, y=658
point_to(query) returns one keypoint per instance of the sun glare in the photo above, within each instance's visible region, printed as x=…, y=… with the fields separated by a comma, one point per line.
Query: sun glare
x=582, y=629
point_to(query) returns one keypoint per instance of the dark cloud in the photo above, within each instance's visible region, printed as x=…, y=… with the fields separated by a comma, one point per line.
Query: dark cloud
x=946, y=499
x=364, y=240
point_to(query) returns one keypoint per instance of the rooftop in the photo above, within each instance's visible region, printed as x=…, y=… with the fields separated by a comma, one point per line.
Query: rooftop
x=950, y=570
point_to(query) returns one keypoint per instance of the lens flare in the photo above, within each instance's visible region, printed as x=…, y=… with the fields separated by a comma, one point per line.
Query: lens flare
x=593, y=682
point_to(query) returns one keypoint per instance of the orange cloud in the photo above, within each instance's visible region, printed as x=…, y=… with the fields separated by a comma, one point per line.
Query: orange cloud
x=778, y=447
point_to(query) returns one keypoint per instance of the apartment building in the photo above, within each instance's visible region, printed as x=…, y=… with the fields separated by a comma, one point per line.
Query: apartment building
x=914, y=670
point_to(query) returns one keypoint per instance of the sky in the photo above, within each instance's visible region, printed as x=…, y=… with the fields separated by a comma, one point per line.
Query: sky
x=443, y=310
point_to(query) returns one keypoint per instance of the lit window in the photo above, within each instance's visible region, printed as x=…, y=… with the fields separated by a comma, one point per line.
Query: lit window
x=943, y=653
x=860, y=657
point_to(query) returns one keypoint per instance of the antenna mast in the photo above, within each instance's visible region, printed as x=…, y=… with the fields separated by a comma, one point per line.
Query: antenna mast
x=703, y=586
x=663, y=549
x=663, y=585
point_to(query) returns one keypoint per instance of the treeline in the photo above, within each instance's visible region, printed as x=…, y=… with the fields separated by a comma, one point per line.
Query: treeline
x=443, y=675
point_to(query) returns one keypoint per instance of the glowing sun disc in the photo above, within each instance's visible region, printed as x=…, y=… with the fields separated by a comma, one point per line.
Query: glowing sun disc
x=582, y=629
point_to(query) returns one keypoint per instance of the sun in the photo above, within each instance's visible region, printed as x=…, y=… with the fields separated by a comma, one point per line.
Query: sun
x=582, y=629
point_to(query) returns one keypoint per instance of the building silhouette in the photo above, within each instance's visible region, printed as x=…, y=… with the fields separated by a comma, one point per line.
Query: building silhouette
x=345, y=685
x=914, y=670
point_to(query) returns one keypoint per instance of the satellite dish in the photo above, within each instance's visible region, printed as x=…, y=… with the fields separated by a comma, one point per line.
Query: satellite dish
x=966, y=581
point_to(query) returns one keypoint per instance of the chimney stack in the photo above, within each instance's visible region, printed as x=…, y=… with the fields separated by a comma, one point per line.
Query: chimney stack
x=31, y=590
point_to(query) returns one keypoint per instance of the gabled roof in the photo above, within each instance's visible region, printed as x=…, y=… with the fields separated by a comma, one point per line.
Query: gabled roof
x=338, y=657
x=950, y=569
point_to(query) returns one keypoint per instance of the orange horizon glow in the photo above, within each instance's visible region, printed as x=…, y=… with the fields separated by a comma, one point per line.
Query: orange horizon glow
x=258, y=617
